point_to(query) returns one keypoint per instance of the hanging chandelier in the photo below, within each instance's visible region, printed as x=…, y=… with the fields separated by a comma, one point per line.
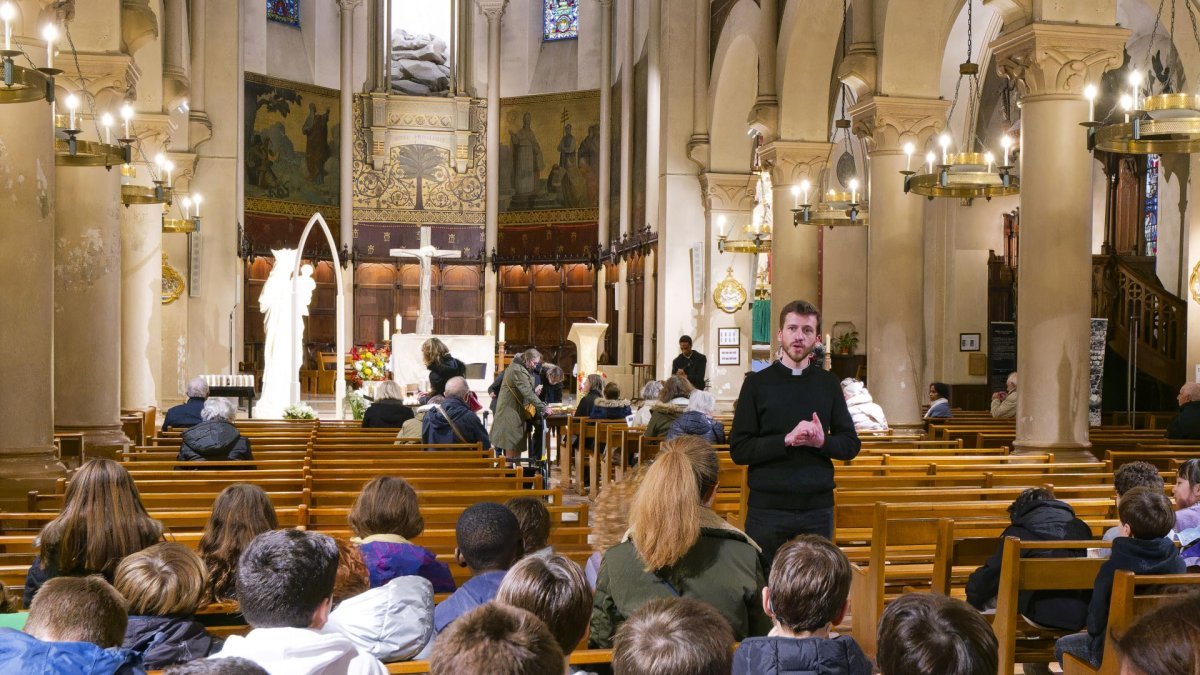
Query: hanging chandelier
x=1152, y=124
x=189, y=223
x=966, y=174
x=19, y=84
x=757, y=238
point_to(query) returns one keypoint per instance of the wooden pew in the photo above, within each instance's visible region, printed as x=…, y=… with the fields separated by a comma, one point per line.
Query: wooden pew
x=579, y=657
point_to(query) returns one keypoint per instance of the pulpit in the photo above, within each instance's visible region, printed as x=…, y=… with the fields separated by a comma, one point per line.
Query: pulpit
x=587, y=338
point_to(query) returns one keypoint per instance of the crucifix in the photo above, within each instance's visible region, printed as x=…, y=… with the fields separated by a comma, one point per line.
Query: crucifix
x=426, y=253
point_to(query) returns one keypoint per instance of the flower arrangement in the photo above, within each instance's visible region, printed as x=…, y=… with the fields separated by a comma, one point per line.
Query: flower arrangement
x=369, y=364
x=357, y=403
x=299, y=411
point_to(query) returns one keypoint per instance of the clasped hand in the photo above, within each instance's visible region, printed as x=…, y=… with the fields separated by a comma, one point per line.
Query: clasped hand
x=808, y=432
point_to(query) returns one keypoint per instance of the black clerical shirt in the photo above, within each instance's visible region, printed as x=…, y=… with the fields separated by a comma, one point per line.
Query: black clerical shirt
x=693, y=366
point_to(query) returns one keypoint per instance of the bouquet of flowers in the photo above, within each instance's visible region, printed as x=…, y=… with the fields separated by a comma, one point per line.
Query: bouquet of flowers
x=357, y=404
x=369, y=364
x=299, y=411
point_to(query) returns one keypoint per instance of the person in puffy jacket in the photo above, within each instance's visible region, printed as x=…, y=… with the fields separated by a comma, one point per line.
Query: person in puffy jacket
x=807, y=595
x=454, y=422
x=612, y=406
x=865, y=412
x=1037, y=516
x=388, y=411
x=697, y=420
x=164, y=586
x=392, y=622
x=441, y=365
x=384, y=518
x=215, y=439
x=672, y=402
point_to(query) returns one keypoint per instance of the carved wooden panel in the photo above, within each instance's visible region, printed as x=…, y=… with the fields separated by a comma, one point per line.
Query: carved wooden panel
x=374, y=300
x=539, y=305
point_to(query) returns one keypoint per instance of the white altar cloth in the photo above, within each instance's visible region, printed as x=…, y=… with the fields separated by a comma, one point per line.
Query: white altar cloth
x=408, y=369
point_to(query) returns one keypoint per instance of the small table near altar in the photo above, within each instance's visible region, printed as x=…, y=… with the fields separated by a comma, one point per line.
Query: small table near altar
x=239, y=393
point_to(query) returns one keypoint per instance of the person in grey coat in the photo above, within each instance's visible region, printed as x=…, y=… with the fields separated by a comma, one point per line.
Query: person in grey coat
x=516, y=392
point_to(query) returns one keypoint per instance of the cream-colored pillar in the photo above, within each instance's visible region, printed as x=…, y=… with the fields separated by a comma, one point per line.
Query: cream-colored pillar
x=625, y=189
x=895, y=253
x=1050, y=65
x=794, y=246
x=27, y=459
x=605, y=178
x=729, y=197
x=494, y=11
x=346, y=182
x=87, y=297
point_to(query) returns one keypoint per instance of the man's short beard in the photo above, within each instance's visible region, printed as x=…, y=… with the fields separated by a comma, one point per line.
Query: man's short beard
x=804, y=355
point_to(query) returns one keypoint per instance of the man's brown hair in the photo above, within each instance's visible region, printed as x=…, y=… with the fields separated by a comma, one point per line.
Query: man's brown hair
x=534, y=519
x=1147, y=512
x=922, y=633
x=167, y=579
x=674, y=636
x=612, y=391
x=801, y=307
x=1136, y=474
x=556, y=591
x=387, y=505
x=78, y=609
x=499, y=640
x=810, y=581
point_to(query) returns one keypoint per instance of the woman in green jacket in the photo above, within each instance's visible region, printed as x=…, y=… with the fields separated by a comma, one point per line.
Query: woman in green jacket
x=516, y=391
x=677, y=547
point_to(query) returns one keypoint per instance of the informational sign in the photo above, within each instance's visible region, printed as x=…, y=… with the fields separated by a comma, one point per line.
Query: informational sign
x=1096, y=376
x=1002, y=353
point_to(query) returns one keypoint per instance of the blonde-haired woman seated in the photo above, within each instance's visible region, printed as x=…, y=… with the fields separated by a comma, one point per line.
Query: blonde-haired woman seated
x=388, y=411
x=678, y=547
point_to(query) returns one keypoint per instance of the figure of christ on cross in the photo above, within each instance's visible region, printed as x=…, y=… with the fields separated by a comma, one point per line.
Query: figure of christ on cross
x=426, y=253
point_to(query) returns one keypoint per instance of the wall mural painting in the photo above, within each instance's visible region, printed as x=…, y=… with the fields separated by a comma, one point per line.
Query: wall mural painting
x=418, y=183
x=549, y=153
x=291, y=143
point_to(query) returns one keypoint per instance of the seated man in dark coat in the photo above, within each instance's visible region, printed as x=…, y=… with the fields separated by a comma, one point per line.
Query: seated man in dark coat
x=215, y=439
x=1187, y=423
x=186, y=415
x=388, y=411
x=463, y=425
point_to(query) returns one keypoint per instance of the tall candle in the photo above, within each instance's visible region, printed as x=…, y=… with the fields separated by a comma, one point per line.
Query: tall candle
x=795, y=196
x=804, y=188
x=50, y=34
x=169, y=167
x=196, y=199
x=106, y=120
x=1006, y=143
x=908, y=153
x=828, y=342
x=929, y=160
x=1089, y=92
x=7, y=14
x=127, y=114
x=487, y=325
x=387, y=330
x=944, y=141
x=501, y=331
x=72, y=104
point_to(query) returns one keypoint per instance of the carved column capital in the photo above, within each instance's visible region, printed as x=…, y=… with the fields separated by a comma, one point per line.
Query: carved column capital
x=109, y=78
x=154, y=132
x=793, y=161
x=1057, y=59
x=492, y=9
x=888, y=122
x=348, y=5
x=727, y=191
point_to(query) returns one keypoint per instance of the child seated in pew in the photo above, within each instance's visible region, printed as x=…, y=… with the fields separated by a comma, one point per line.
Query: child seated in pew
x=555, y=590
x=1125, y=478
x=1166, y=640
x=488, y=539
x=1037, y=516
x=924, y=633
x=674, y=636
x=612, y=406
x=534, y=518
x=164, y=586
x=1187, y=518
x=806, y=596
x=1143, y=548
x=499, y=640
x=239, y=514
x=76, y=625
x=385, y=518
x=285, y=582
x=392, y=622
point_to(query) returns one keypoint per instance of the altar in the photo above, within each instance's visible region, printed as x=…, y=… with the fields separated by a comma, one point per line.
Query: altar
x=410, y=372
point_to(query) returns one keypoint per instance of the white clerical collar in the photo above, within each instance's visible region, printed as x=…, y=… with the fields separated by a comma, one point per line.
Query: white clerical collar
x=796, y=371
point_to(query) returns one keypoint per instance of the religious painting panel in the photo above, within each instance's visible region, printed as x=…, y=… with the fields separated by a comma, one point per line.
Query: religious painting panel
x=549, y=154
x=291, y=136
x=286, y=12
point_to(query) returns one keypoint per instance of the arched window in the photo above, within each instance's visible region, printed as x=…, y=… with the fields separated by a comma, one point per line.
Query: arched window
x=561, y=20
x=284, y=11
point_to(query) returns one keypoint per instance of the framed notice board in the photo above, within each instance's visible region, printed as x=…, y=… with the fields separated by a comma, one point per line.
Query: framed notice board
x=1002, y=353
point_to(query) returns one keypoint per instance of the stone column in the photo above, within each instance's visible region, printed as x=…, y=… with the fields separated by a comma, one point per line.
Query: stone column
x=896, y=252
x=87, y=297
x=27, y=460
x=494, y=11
x=791, y=162
x=654, y=174
x=729, y=196
x=1050, y=65
x=346, y=177
x=605, y=178
x=764, y=117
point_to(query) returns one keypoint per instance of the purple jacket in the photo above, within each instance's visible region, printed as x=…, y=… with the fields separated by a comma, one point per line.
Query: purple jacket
x=387, y=560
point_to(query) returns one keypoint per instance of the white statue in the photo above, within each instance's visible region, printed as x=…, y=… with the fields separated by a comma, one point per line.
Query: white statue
x=284, y=305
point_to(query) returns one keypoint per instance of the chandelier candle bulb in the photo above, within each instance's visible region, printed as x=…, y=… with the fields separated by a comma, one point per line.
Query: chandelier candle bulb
x=990, y=159
x=795, y=196
x=126, y=115
x=908, y=153
x=50, y=34
x=169, y=167
x=853, y=190
x=7, y=14
x=804, y=187
x=1135, y=85
x=1089, y=92
x=187, y=207
x=196, y=199
x=1006, y=143
x=106, y=121
x=944, y=141
x=487, y=325
x=929, y=160
x=72, y=104
x=720, y=232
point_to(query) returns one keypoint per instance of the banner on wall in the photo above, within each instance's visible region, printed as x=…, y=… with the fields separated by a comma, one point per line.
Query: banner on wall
x=1096, y=376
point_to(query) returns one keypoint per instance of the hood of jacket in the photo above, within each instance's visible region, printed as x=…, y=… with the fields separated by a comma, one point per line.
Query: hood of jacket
x=692, y=423
x=22, y=653
x=612, y=403
x=1146, y=556
x=211, y=437
x=1049, y=519
x=675, y=406
x=296, y=651
x=164, y=640
x=800, y=656
x=393, y=622
x=456, y=409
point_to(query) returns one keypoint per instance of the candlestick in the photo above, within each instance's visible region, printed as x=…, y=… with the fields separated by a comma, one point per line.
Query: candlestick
x=7, y=14
x=828, y=342
x=127, y=114
x=804, y=187
x=72, y=104
x=399, y=323
x=196, y=199
x=908, y=153
x=1089, y=92
x=50, y=34
x=501, y=331
x=387, y=329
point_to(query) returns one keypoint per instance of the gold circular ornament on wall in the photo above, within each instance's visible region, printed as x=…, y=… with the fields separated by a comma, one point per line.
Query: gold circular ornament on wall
x=1194, y=283
x=730, y=294
x=172, y=282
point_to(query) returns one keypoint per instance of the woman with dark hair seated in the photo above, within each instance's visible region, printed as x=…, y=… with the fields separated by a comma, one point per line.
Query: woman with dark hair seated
x=939, y=401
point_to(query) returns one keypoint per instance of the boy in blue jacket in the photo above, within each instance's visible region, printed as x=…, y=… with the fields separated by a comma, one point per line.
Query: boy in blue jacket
x=1142, y=547
x=489, y=542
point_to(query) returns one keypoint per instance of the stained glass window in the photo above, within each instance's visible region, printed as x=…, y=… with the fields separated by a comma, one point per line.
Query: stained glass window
x=561, y=20
x=284, y=11
x=1150, y=219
